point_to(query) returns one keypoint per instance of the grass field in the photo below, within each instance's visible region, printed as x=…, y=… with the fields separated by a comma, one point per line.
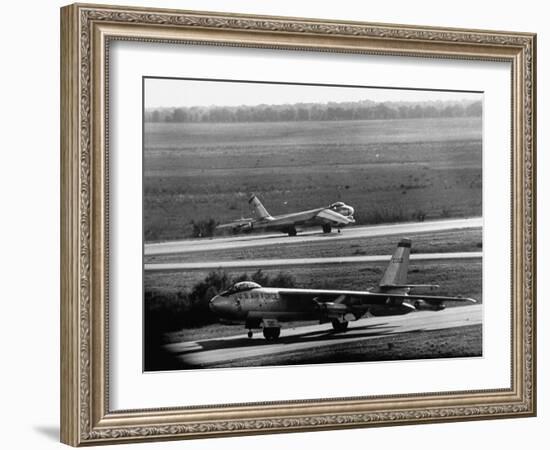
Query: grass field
x=394, y=170
x=468, y=240
x=456, y=277
x=390, y=171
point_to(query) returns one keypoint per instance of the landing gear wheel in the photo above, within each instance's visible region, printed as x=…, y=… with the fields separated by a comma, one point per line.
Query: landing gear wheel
x=327, y=228
x=250, y=334
x=339, y=326
x=272, y=333
x=292, y=232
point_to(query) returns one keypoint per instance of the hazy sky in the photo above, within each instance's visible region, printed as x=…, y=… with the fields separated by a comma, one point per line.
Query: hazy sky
x=180, y=93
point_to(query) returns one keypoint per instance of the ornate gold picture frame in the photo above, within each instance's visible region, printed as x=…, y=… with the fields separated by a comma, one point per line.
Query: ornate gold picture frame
x=87, y=31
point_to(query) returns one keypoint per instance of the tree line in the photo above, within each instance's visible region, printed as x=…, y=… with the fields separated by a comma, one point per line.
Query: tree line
x=301, y=112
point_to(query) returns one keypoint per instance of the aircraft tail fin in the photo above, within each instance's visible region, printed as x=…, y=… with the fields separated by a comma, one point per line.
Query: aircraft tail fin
x=259, y=210
x=396, y=272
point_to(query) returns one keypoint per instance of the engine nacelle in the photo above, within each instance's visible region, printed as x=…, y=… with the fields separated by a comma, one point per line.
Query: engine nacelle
x=332, y=310
x=423, y=305
x=390, y=310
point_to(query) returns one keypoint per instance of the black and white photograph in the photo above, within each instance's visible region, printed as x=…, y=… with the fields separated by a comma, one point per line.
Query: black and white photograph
x=245, y=225
x=289, y=223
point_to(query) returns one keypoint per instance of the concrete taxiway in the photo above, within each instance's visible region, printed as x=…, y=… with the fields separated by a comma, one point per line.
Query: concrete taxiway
x=254, y=240
x=258, y=263
x=223, y=350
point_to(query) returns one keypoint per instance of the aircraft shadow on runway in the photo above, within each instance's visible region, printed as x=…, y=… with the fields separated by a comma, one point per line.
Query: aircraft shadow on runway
x=366, y=331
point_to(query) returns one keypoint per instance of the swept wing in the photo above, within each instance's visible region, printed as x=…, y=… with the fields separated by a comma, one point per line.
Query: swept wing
x=366, y=297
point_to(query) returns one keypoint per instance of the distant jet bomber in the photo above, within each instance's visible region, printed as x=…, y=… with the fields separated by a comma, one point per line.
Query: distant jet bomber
x=265, y=307
x=336, y=215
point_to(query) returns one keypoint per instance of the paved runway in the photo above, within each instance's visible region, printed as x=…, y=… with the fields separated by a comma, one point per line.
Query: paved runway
x=227, y=349
x=257, y=263
x=254, y=240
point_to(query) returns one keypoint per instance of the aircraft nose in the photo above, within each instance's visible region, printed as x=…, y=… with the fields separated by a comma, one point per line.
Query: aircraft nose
x=213, y=303
x=221, y=306
x=351, y=210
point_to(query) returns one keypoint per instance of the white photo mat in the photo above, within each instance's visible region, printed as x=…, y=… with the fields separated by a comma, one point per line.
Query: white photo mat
x=130, y=388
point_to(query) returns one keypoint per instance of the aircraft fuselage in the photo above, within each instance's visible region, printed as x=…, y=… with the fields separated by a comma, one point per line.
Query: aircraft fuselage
x=335, y=215
x=254, y=305
x=263, y=303
x=287, y=222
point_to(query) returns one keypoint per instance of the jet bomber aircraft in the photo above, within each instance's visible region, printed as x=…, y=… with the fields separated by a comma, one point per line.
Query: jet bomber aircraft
x=265, y=307
x=335, y=215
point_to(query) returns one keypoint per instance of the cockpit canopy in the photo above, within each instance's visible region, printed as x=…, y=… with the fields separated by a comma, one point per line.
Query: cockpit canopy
x=337, y=205
x=241, y=286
